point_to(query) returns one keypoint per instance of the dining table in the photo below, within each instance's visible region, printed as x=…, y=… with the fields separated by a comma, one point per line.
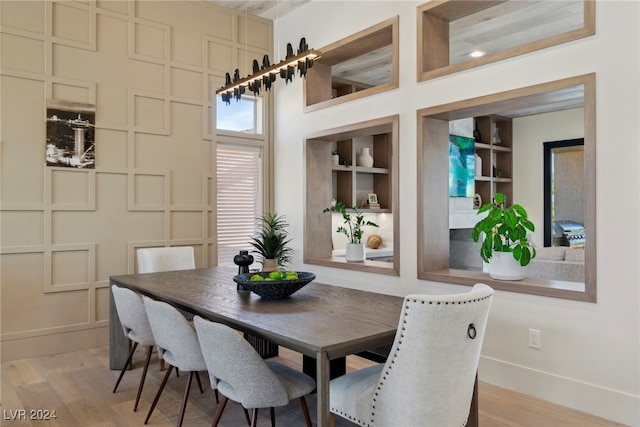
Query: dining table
x=323, y=322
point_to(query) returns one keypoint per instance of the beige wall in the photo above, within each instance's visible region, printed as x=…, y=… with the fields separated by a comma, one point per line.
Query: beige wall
x=151, y=70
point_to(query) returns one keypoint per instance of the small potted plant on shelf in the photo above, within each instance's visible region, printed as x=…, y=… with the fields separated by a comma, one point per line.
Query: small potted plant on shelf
x=272, y=243
x=352, y=228
x=505, y=246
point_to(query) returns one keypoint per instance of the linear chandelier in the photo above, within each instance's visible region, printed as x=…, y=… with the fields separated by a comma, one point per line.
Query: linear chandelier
x=266, y=74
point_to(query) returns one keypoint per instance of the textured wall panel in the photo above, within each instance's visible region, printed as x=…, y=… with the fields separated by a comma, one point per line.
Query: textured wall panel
x=22, y=228
x=23, y=15
x=151, y=151
x=70, y=267
x=33, y=59
x=74, y=92
x=149, y=113
x=186, y=225
x=73, y=23
x=23, y=141
x=149, y=40
x=111, y=149
x=72, y=189
x=186, y=84
x=102, y=304
x=260, y=35
x=219, y=56
x=114, y=6
x=149, y=190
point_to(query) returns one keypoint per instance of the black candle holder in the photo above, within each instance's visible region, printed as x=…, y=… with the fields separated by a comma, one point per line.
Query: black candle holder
x=243, y=260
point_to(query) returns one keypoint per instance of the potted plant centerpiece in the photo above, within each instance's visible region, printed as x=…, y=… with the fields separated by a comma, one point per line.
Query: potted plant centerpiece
x=505, y=246
x=352, y=228
x=272, y=243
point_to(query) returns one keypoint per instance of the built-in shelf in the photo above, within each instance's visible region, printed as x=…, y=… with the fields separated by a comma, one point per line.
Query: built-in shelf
x=351, y=184
x=344, y=71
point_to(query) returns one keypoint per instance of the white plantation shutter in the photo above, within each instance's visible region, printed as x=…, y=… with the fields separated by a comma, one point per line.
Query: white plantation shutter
x=239, y=199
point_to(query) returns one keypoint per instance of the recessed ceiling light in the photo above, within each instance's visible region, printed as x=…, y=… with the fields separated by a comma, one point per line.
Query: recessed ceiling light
x=477, y=54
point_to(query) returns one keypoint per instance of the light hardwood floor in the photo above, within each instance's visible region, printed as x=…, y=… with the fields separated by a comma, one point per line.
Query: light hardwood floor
x=77, y=386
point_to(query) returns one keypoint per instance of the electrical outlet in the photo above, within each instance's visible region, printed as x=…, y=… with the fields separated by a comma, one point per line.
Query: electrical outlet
x=535, y=337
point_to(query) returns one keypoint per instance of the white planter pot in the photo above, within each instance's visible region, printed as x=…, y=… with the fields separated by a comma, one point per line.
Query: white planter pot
x=354, y=252
x=503, y=266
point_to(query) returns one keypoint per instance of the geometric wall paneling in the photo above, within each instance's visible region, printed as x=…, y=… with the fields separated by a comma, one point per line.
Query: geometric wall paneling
x=149, y=41
x=120, y=7
x=73, y=24
x=246, y=55
x=187, y=225
x=259, y=37
x=71, y=189
x=33, y=59
x=218, y=55
x=112, y=150
x=101, y=304
x=73, y=91
x=59, y=277
x=186, y=84
x=27, y=16
x=22, y=230
x=149, y=191
x=150, y=152
x=149, y=113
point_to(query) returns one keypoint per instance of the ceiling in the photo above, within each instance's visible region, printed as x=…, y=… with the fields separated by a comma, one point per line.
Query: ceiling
x=269, y=9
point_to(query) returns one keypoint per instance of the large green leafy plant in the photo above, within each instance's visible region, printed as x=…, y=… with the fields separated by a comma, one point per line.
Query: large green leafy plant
x=505, y=230
x=353, y=222
x=272, y=241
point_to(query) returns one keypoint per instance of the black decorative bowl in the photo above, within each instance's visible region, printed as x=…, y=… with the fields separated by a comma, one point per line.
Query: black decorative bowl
x=273, y=289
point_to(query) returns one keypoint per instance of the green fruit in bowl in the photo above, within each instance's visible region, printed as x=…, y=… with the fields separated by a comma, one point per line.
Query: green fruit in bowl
x=256, y=277
x=276, y=275
x=291, y=275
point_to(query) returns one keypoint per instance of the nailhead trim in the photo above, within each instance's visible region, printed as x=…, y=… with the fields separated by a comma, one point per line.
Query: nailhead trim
x=397, y=349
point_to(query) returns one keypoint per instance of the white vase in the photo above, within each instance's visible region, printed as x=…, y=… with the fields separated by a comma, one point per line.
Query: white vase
x=354, y=252
x=365, y=159
x=503, y=266
x=335, y=159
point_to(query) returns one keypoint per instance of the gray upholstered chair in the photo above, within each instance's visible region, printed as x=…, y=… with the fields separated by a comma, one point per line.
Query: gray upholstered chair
x=135, y=324
x=429, y=375
x=151, y=260
x=244, y=377
x=177, y=345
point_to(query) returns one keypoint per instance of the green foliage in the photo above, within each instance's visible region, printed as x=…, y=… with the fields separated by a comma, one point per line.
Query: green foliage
x=352, y=226
x=505, y=230
x=271, y=242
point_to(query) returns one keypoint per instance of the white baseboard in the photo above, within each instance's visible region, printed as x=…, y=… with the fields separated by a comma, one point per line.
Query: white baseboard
x=600, y=401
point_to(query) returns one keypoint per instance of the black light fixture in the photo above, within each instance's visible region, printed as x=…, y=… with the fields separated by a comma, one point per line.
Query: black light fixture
x=266, y=74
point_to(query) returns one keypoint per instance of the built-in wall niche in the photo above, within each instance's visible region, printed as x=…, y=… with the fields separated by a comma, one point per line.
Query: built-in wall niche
x=456, y=35
x=360, y=65
x=350, y=182
x=434, y=239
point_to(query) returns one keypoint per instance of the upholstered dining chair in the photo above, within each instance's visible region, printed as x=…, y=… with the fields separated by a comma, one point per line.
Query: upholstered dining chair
x=244, y=377
x=135, y=324
x=178, y=345
x=429, y=376
x=152, y=260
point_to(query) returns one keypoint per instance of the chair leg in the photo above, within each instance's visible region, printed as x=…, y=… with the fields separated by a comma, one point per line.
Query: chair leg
x=246, y=414
x=216, y=418
x=254, y=419
x=158, y=393
x=184, y=399
x=272, y=413
x=144, y=375
x=199, y=383
x=217, y=398
x=305, y=410
x=124, y=368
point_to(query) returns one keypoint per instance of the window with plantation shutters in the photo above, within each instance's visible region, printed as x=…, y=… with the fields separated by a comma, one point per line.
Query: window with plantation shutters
x=239, y=172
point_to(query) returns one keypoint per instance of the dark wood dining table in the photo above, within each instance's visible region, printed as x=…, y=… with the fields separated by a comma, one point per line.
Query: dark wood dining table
x=323, y=322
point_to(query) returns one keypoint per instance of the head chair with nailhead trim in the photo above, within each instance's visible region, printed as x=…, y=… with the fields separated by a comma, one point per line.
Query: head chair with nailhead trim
x=429, y=376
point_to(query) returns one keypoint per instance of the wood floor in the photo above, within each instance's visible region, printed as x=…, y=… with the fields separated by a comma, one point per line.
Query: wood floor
x=76, y=387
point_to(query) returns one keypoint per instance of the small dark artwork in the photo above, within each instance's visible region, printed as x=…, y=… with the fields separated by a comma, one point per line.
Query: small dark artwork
x=70, y=134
